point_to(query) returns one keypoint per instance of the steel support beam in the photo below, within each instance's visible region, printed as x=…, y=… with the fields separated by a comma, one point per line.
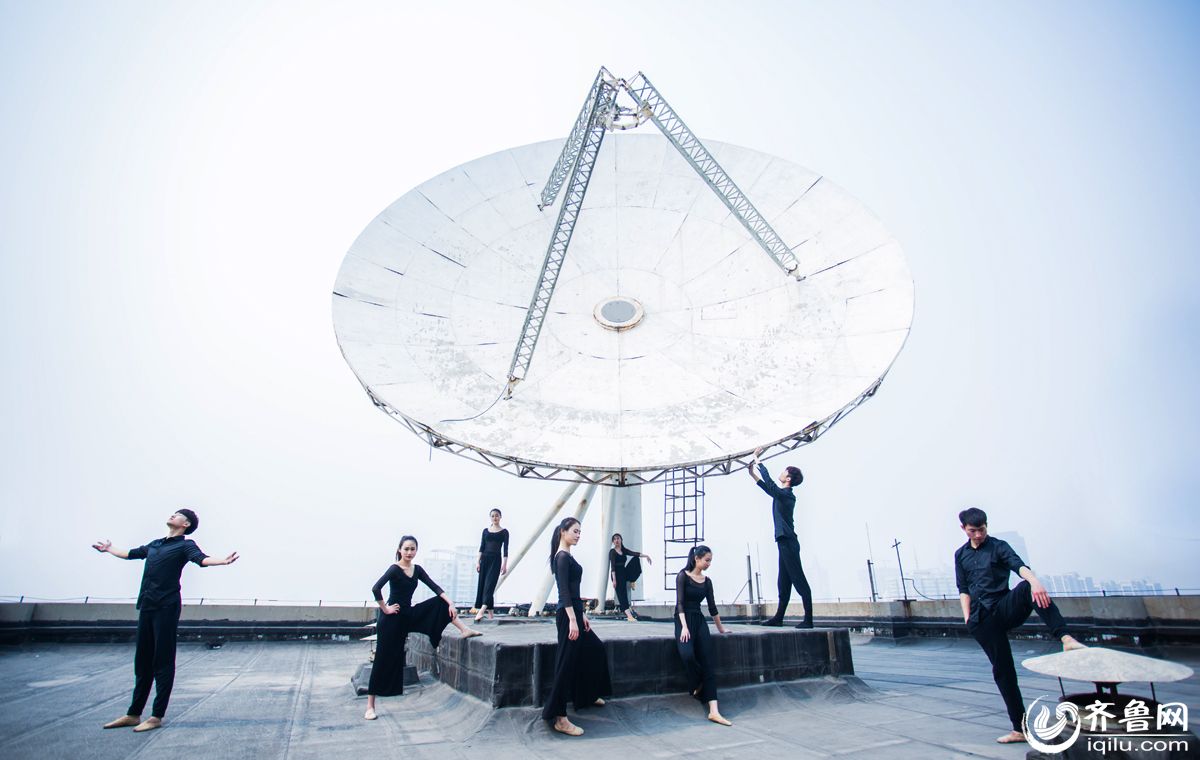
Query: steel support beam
x=690, y=147
x=568, y=215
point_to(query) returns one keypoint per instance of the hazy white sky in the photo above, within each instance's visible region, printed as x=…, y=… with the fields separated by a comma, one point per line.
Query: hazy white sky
x=183, y=180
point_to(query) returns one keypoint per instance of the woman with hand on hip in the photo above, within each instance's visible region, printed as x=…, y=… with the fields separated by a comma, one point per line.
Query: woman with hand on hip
x=691, y=629
x=399, y=617
x=491, y=563
x=581, y=668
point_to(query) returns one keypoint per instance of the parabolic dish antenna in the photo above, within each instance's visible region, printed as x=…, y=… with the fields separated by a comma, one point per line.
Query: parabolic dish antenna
x=671, y=339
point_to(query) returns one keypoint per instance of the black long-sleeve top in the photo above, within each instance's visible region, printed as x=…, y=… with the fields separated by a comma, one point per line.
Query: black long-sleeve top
x=165, y=558
x=689, y=594
x=567, y=575
x=783, y=504
x=983, y=572
x=494, y=543
x=403, y=585
x=617, y=560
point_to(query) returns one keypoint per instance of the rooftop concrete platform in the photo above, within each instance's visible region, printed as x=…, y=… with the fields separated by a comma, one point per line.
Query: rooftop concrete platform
x=920, y=698
x=512, y=665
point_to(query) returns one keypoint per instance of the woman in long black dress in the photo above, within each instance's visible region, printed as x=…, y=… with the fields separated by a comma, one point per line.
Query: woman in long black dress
x=491, y=563
x=691, y=629
x=581, y=669
x=625, y=568
x=399, y=617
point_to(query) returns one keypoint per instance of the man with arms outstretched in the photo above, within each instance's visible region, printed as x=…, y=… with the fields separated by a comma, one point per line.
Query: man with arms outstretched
x=159, y=603
x=783, y=506
x=990, y=609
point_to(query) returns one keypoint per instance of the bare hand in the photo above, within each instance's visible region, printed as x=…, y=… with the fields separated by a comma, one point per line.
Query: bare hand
x=1040, y=597
x=721, y=628
x=231, y=558
x=476, y=567
x=685, y=636
x=504, y=568
x=647, y=558
x=391, y=609
x=102, y=546
x=587, y=624
x=453, y=612
x=757, y=453
x=573, y=631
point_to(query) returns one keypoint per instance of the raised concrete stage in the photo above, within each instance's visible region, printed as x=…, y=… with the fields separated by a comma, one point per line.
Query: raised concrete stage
x=512, y=664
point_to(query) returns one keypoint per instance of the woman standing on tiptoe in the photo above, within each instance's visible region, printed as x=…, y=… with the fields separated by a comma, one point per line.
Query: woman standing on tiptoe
x=491, y=563
x=624, y=568
x=581, y=669
x=691, y=629
x=400, y=616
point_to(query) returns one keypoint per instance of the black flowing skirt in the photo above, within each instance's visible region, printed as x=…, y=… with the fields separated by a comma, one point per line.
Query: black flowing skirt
x=580, y=669
x=430, y=617
x=699, y=660
x=489, y=575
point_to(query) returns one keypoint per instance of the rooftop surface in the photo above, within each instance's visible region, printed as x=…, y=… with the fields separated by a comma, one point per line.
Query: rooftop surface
x=926, y=698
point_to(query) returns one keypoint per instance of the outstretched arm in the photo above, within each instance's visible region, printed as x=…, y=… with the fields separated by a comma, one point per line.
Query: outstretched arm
x=214, y=562
x=106, y=547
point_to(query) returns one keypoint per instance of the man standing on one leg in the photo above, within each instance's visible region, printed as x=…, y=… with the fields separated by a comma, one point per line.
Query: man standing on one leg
x=783, y=505
x=990, y=609
x=159, y=604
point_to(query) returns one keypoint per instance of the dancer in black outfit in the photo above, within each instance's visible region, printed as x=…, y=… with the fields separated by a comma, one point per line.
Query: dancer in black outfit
x=491, y=563
x=990, y=609
x=783, y=505
x=581, y=668
x=624, y=568
x=159, y=604
x=400, y=617
x=691, y=629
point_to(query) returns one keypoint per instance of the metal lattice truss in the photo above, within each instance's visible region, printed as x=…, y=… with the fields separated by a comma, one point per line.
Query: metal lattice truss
x=600, y=114
x=614, y=477
x=584, y=143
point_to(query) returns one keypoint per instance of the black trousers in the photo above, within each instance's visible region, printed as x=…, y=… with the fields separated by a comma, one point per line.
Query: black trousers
x=430, y=617
x=154, y=659
x=622, y=588
x=580, y=668
x=699, y=660
x=791, y=573
x=990, y=628
x=489, y=575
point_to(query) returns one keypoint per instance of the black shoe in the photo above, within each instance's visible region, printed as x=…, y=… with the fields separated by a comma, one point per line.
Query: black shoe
x=774, y=622
x=804, y=624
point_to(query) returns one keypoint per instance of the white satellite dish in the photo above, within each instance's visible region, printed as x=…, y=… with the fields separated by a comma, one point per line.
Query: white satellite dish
x=671, y=340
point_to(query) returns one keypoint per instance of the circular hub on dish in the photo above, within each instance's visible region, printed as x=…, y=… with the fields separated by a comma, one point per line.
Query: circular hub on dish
x=619, y=313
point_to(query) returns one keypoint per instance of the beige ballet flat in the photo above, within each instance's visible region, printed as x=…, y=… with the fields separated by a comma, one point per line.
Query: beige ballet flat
x=570, y=730
x=149, y=724
x=123, y=721
x=369, y=714
x=599, y=702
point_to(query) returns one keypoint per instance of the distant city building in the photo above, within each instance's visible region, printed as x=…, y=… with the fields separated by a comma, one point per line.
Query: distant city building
x=453, y=570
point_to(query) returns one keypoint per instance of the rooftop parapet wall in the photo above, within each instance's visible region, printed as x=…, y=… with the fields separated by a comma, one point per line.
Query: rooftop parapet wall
x=1144, y=619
